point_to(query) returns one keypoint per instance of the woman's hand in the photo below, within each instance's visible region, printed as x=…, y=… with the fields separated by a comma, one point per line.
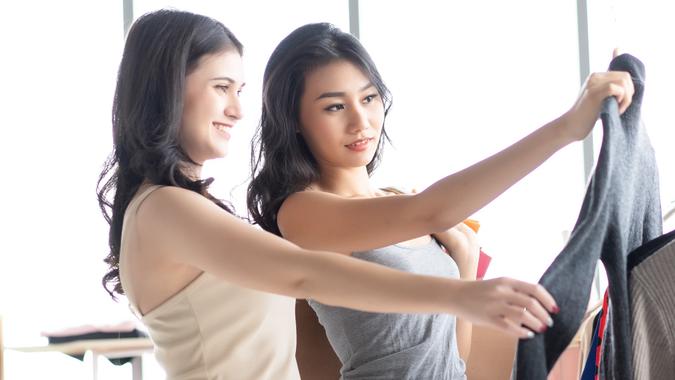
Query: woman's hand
x=506, y=304
x=461, y=243
x=581, y=118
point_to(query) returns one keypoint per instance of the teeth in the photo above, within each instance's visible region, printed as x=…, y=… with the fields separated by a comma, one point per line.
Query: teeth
x=360, y=142
x=220, y=127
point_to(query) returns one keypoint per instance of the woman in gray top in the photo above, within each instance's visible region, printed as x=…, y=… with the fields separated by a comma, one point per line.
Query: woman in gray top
x=397, y=346
x=320, y=136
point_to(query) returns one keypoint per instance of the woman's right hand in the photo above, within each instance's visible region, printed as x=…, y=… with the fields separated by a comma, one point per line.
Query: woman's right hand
x=509, y=305
x=581, y=118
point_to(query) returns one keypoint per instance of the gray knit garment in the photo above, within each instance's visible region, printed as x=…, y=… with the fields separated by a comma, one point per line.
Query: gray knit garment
x=621, y=211
x=396, y=346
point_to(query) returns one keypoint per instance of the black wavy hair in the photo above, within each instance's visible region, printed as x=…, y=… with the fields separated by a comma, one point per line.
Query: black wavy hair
x=281, y=161
x=162, y=48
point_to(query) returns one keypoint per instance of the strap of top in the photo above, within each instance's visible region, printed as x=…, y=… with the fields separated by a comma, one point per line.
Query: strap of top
x=136, y=202
x=131, y=210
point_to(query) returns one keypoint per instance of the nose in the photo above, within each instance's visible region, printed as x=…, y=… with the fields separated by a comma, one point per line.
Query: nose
x=358, y=119
x=233, y=108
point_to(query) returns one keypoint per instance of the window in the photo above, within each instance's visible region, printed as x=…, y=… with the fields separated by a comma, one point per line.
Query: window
x=645, y=29
x=469, y=79
x=60, y=74
x=59, y=69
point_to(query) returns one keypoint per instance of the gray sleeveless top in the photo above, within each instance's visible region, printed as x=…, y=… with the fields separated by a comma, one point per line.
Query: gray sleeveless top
x=396, y=346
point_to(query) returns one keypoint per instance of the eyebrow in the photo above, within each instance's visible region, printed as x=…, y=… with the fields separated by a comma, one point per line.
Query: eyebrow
x=224, y=78
x=340, y=94
x=228, y=79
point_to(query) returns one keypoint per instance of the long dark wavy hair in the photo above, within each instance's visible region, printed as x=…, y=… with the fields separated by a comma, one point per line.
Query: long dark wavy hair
x=162, y=48
x=281, y=161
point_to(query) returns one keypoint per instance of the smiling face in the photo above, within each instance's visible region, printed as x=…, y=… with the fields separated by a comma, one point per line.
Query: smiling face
x=341, y=116
x=211, y=105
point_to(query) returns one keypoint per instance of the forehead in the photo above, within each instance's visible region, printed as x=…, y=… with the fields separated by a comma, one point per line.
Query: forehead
x=223, y=64
x=341, y=75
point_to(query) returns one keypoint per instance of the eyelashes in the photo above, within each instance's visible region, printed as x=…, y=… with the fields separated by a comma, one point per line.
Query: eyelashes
x=370, y=98
x=340, y=106
x=335, y=107
x=226, y=88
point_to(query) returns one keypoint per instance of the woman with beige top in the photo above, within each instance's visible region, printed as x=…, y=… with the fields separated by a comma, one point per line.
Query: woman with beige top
x=216, y=294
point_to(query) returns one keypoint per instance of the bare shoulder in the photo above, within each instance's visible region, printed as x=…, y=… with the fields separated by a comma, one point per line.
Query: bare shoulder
x=185, y=226
x=305, y=197
x=171, y=214
x=166, y=195
x=172, y=202
x=301, y=207
x=321, y=220
x=302, y=203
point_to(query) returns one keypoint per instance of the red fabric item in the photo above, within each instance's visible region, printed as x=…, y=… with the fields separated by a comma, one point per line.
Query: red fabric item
x=601, y=333
x=483, y=259
x=483, y=264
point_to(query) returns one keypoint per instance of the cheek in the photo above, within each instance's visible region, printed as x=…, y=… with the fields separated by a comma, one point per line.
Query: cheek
x=187, y=137
x=313, y=130
x=320, y=141
x=314, y=142
x=189, y=125
x=377, y=119
x=193, y=127
x=202, y=106
x=190, y=118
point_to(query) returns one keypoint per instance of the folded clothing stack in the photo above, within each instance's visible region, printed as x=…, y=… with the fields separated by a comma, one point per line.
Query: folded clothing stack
x=127, y=329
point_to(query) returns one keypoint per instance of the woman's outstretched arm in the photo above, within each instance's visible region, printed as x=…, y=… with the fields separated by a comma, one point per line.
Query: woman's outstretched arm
x=190, y=229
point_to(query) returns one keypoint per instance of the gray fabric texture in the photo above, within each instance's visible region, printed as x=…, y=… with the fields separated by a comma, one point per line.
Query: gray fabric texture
x=396, y=346
x=621, y=211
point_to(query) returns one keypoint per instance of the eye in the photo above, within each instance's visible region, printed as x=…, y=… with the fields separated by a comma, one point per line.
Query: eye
x=222, y=87
x=369, y=98
x=335, y=107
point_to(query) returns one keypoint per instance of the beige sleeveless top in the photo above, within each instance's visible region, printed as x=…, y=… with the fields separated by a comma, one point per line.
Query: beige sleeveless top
x=213, y=329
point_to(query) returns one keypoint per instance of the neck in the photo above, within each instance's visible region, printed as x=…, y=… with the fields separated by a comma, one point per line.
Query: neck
x=347, y=182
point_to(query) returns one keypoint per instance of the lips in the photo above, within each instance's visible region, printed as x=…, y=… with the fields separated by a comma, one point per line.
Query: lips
x=222, y=129
x=360, y=143
x=221, y=126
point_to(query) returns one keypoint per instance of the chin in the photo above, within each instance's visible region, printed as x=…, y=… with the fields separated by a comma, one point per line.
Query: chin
x=220, y=152
x=360, y=164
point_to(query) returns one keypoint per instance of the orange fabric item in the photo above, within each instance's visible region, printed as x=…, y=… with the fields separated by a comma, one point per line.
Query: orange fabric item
x=473, y=224
x=484, y=259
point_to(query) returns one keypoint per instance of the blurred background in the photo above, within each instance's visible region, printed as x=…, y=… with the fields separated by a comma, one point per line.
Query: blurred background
x=468, y=79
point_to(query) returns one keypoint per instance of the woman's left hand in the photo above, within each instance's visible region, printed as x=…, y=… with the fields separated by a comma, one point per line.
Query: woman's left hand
x=461, y=243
